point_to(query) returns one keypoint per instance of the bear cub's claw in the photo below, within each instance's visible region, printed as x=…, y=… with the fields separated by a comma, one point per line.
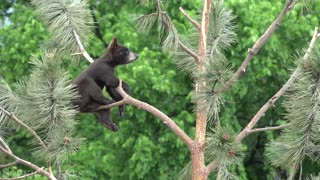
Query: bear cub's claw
x=112, y=126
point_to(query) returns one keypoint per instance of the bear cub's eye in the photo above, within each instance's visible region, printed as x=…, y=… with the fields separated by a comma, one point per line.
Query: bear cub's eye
x=124, y=52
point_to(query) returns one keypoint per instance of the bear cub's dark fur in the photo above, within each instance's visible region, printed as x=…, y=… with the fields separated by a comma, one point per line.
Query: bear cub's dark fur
x=101, y=74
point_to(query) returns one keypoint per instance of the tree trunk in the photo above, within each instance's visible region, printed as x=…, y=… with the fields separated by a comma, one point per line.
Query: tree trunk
x=198, y=166
x=197, y=153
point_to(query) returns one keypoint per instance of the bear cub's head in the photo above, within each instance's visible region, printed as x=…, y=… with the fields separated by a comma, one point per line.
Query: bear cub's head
x=119, y=54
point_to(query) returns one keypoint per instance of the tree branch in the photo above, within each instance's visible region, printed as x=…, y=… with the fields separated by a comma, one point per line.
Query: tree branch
x=118, y=103
x=22, y=177
x=29, y=129
x=274, y=98
x=81, y=47
x=189, y=51
x=258, y=45
x=5, y=145
x=267, y=129
x=8, y=165
x=194, y=22
x=210, y=167
x=27, y=163
x=147, y=107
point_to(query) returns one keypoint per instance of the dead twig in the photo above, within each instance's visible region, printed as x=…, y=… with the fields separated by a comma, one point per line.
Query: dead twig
x=8, y=165
x=267, y=129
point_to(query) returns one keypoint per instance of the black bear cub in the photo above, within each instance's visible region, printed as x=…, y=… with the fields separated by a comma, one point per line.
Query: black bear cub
x=101, y=74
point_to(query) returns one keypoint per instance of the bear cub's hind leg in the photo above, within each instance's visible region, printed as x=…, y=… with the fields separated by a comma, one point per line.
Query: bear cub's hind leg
x=104, y=119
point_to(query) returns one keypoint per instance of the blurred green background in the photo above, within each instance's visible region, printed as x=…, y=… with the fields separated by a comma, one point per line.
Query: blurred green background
x=144, y=148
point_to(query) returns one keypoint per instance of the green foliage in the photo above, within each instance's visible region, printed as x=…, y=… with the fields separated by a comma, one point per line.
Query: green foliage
x=301, y=137
x=43, y=101
x=20, y=38
x=62, y=19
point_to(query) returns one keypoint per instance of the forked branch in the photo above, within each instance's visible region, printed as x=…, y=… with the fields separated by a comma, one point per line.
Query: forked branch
x=248, y=129
x=81, y=47
x=29, y=129
x=6, y=150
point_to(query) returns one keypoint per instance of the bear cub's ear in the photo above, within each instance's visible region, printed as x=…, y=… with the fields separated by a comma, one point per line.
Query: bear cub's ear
x=112, y=45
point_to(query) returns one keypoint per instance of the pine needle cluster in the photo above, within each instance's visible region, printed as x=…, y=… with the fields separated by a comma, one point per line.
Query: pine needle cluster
x=63, y=18
x=168, y=34
x=300, y=138
x=224, y=150
x=43, y=102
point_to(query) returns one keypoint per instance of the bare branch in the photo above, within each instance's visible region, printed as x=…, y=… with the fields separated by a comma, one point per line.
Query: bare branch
x=258, y=45
x=22, y=177
x=274, y=98
x=194, y=22
x=8, y=165
x=5, y=145
x=189, y=51
x=118, y=103
x=27, y=163
x=210, y=167
x=29, y=129
x=267, y=129
x=166, y=120
x=81, y=47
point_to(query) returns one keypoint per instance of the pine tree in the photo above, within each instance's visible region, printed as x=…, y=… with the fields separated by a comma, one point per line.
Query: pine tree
x=41, y=102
